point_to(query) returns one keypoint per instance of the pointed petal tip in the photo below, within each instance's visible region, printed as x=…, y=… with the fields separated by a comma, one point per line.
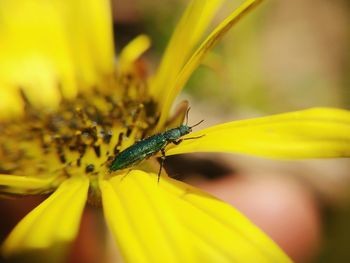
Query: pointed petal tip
x=182, y=222
x=51, y=225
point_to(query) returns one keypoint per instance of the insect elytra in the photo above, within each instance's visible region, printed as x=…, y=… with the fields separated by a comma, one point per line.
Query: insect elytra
x=150, y=146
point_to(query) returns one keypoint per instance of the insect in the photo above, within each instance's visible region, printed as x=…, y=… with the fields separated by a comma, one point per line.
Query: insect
x=150, y=146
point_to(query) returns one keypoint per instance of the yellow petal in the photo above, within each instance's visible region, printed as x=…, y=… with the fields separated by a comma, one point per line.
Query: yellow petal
x=52, y=46
x=170, y=221
x=133, y=50
x=177, y=84
x=14, y=184
x=313, y=133
x=51, y=225
x=188, y=32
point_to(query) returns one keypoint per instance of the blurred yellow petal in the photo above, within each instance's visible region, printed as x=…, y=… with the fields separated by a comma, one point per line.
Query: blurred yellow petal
x=91, y=37
x=52, y=46
x=174, y=86
x=50, y=226
x=134, y=50
x=14, y=184
x=11, y=103
x=313, y=133
x=188, y=32
x=170, y=221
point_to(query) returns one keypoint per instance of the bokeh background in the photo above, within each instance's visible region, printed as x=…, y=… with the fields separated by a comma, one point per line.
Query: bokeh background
x=286, y=55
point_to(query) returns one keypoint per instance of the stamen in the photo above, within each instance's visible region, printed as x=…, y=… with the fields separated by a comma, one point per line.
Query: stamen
x=89, y=168
x=82, y=136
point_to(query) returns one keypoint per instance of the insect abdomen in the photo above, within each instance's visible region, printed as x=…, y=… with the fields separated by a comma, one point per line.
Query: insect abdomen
x=138, y=152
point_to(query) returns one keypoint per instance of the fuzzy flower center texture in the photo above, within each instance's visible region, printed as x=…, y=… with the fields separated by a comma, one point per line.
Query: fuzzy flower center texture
x=72, y=111
x=82, y=136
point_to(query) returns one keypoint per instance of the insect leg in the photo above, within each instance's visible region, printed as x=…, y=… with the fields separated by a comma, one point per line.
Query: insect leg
x=177, y=142
x=162, y=159
x=124, y=176
x=190, y=138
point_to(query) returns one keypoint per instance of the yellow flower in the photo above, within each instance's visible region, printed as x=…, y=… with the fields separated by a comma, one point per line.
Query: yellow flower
x=68, y=109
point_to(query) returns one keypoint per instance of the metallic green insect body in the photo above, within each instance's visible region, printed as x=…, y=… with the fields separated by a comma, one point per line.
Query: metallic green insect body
x=150, y=146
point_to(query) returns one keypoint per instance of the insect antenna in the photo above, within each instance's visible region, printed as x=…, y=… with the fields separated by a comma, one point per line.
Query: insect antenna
x=188, y=110
x=196, y=124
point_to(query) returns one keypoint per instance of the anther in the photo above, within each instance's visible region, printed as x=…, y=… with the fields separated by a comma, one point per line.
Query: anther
x=97, y=150
x=89, y=168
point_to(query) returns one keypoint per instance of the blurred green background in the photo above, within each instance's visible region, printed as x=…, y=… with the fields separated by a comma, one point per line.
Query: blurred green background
x=286, y=55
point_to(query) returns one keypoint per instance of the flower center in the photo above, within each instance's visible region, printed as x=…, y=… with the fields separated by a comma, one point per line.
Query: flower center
x=82, y=136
